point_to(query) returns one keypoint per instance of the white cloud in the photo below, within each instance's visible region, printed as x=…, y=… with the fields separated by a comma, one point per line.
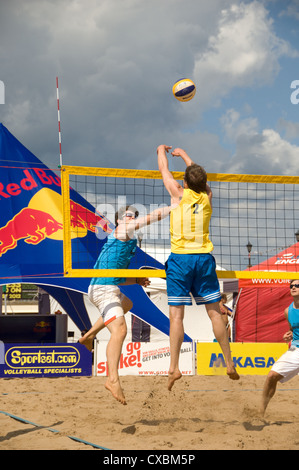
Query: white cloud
x=291, y=129
x=236, y=127
x=116, y=61
x=292, y=9
x=263, y=152
x=244, y=52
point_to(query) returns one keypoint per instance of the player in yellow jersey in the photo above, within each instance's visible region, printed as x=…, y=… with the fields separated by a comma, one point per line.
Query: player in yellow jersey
x=191, y=268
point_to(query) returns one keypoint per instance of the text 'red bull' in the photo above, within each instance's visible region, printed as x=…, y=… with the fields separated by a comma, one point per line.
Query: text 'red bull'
x=30, y=179
x=34, y=225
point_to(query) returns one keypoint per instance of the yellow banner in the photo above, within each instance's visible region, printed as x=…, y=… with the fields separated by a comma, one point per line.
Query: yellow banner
x=249, y=358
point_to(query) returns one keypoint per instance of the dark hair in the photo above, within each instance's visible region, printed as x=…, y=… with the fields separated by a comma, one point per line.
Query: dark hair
x=120, y=213
x=196, y=178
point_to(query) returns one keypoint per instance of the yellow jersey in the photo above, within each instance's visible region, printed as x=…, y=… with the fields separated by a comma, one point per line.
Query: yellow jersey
x=189, y=224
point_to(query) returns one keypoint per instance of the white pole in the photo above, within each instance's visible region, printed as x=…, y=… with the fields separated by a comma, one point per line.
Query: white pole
x=59, y=128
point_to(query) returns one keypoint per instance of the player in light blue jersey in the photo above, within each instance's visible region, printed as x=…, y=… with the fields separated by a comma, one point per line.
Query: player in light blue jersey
x=287, y=366
x=105, y=294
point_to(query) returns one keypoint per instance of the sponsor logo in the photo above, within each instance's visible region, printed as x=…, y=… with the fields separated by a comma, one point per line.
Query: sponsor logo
x=217, y=360
x=129, y=358
x=44, y=357
x=42, y=218
x=288, y=258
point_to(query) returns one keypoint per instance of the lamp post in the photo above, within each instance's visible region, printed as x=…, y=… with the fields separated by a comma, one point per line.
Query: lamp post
x=249, y=248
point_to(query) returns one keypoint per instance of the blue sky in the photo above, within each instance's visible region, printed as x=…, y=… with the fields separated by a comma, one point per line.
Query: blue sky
x=117, y=60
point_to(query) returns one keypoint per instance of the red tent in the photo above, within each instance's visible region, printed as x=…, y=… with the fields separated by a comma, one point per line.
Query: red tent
x=260, y=308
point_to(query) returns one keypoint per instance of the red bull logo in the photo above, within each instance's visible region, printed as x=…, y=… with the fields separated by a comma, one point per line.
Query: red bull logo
x=85, y=219
x=30, y=225
x=34, y=223
x=42, y=327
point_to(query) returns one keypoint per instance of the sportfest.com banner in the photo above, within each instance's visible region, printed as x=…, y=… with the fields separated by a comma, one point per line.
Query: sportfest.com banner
x=51, y=360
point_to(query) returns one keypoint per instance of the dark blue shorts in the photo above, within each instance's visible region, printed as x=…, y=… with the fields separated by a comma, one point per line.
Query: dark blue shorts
x=192, y=273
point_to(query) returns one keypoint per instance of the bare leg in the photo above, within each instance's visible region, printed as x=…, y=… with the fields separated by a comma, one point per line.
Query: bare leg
x=88, y=338
x=176, y=337
x=221, y=335
x=118, y=330
x=269, y=389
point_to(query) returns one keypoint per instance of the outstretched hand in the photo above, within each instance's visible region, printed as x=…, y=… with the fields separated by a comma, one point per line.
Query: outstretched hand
x=177, y=152
x=166, y=148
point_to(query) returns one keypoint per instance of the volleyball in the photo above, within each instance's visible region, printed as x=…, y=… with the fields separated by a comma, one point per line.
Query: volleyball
x=184, y=89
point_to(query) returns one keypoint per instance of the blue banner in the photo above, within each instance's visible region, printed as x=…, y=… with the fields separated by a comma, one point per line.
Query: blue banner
x=51, y=360
x=31, y=236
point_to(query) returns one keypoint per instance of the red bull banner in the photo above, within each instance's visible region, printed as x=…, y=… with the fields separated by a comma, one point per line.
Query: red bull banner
x=51, y=360
x=31, y=236
x=42, y=219
x=31, y=216
x=31, y=228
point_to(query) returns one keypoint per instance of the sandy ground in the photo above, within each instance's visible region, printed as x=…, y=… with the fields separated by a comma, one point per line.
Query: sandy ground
x=200, y=413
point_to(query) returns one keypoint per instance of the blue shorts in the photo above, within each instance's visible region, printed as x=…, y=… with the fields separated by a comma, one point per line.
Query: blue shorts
x=192, y=273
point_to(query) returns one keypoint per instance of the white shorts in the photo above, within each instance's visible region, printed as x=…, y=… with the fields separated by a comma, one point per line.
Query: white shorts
x=288, y=364
x=108, y=300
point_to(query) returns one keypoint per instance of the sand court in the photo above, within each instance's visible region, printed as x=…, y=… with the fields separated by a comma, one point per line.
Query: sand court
x=200, y=413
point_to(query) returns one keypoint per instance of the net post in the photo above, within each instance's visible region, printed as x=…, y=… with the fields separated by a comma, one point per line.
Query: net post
x=67, y=243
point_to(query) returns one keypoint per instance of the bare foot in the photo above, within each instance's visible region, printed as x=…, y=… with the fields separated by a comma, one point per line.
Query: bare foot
x=232, y=373
x=88, y=343
x=172, y=377
x=116, y=390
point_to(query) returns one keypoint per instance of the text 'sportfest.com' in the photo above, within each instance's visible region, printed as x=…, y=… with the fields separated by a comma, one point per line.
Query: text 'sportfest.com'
x=52, y=360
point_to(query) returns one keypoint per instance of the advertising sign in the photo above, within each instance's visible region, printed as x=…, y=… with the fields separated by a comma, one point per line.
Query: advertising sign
x=20, y=292
x=51, y=360
x=150, y=358
x=249, y=358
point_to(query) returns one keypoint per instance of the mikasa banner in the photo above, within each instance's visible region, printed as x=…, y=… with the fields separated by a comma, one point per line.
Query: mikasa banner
x=249, y=358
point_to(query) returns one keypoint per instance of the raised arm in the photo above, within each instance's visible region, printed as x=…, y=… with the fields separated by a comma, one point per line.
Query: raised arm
x=181, y=153
x=173, y=187
x=154, y=216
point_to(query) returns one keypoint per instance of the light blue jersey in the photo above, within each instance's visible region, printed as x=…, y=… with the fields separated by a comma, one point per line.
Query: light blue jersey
x=293, y=318
x=115, y=254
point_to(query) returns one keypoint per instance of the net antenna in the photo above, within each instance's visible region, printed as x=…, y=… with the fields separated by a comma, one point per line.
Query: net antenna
x=59, y=127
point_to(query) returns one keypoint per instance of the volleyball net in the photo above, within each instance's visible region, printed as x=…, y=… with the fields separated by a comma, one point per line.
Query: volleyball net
x=254, y=218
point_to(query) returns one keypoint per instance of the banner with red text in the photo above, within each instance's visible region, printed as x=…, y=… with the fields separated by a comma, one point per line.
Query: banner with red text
x=146, y=358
